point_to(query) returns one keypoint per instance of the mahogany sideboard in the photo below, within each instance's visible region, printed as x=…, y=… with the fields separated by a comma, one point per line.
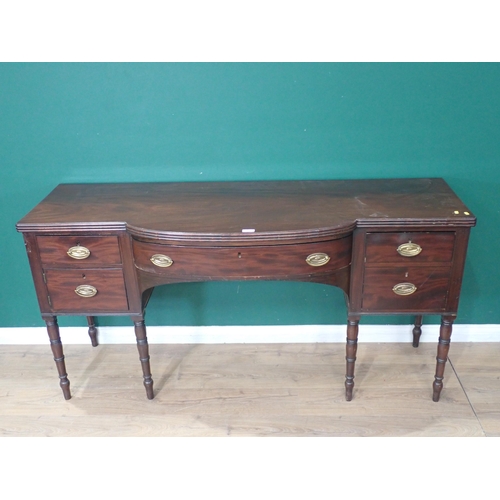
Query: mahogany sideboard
x=394, y=246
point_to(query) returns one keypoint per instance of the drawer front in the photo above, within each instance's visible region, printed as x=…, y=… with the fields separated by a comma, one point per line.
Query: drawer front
x=424, y=247
x=431, y=289
x=245, y=262
x=87, y=251
x=99, y=290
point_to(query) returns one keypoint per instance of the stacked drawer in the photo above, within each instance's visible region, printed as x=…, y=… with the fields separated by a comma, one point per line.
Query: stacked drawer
x=407, y=271
x=83, y=273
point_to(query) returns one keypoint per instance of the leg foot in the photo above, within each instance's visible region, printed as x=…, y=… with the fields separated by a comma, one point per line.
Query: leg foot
x=417, y=331
x=57, y=351
x=92, y=330
x=351, y=348
x=442, y=355
x=143, y=348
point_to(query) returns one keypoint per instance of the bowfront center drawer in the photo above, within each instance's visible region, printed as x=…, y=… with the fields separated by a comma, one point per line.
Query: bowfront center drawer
x=251, y=261
x=83, y=290
x=79, y=251
x=417, y=247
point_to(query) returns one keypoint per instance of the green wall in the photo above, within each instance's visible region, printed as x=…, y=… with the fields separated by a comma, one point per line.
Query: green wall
x=210, y=121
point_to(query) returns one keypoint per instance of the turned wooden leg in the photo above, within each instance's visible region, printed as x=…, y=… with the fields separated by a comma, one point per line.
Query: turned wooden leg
x=417, y=331
x=442, y=354
x=92, y=330
x=57, y=351
x=351, y=348
x=142, y=346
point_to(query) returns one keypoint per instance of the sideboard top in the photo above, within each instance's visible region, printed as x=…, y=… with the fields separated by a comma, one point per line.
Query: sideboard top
x=246, y=210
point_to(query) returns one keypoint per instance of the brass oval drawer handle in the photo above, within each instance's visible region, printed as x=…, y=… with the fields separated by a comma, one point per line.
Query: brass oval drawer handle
x=161, y=260
x=317, y=259
x=78, y=252
x=404, y=288
x=409, y=249
x=86, y=290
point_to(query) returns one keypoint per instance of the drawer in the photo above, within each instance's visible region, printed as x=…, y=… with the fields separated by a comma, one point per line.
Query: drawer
x=435, y=247
x=87, y=251
x=104, y=290
x=243, y=262
x=430, y=294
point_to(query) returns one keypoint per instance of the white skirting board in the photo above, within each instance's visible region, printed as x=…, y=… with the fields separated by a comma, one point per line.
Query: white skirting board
x=249, y=334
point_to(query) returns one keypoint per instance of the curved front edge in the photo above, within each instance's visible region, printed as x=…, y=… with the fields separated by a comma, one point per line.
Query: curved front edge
x=339, y=278
x=325, y=262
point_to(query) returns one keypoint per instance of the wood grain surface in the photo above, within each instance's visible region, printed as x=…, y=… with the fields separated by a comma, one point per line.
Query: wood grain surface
x=282, y=210
x=251, y=390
